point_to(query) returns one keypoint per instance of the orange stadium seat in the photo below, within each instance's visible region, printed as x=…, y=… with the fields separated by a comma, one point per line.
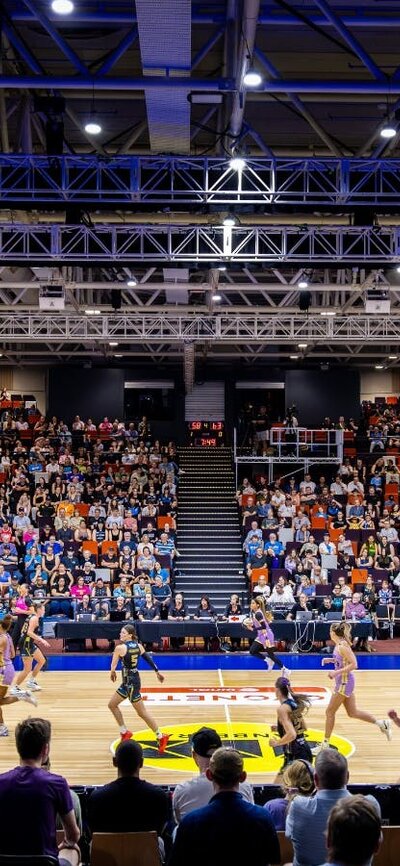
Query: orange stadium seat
x=92, y=546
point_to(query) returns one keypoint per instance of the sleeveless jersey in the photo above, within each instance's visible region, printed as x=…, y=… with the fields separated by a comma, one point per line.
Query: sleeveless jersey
x=130, y=661
x=25, y=642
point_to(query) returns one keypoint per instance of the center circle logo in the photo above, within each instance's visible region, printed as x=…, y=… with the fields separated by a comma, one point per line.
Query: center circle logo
x=250, y=739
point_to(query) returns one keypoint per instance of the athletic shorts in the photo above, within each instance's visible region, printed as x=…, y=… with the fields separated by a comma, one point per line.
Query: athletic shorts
x=131, y=690
x=299, y=749
x=7, y=674
x=27, y=647
x=344, y=685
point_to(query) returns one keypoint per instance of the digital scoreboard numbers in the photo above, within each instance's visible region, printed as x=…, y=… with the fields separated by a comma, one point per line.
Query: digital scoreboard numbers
x=206, y=434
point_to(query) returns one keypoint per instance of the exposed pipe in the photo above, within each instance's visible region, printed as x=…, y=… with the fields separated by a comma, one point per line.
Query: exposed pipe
x=251, y=11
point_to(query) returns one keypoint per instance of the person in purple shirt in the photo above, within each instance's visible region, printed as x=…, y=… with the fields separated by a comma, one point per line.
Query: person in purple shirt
x=31, y=795
x=297, y=780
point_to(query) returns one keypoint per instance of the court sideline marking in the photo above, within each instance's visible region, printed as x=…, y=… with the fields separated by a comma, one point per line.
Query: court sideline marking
x=227, y=711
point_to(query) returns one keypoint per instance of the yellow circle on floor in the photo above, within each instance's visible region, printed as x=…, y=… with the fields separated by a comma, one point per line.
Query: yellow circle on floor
x=250, y=739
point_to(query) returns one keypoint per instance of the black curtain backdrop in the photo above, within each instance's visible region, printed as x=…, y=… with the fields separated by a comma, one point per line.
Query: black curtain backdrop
x=88, y=393
x=317, y=394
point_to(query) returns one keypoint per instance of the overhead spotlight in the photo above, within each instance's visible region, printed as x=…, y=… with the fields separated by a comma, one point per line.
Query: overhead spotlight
x=388, y=130
x=237, y=163
x=252, y=78
x=91, y=311
x=328, y=313
x=62, y=7
x=302, y=284
x=113, y=343
x=216, y=297
x=131, y=282
x=221, y=268
x=393, y=357
x=302, y=345
x=294, y=357
x=229, y=222
x=379, y=367
x=118, y=355
x=398, y=269
x=93, y=127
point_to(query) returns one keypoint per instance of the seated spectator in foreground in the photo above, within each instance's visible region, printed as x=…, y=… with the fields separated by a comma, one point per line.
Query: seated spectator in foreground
x=229, y=819
x=297, y=780
x=307, y=817
x=354, y=833
x=39, y=796
x=128, y=804
x=197, y=792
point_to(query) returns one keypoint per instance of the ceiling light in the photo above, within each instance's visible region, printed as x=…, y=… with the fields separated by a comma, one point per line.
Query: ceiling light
x=221, y=268
x=216, y=297
x=92, y=312
x=131, y=282
x=252, y=78
x=237, y=163
x=302, y=284
x=62, y=7
x=393, y=357
x=379, y=367
x=92, y=127
x=388, y=130
x=294, y=357
x=328, y=313
x=229, y=222
x=113, y=343
x=397, y=269
x=118, y=355
x=302, y=345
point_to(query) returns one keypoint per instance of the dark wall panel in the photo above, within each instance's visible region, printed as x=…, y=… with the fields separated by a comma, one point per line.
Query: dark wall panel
x=317, y=394
x=88, y=393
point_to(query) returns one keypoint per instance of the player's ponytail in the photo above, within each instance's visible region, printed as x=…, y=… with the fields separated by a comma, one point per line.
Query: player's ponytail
x=302, y=701
x=266, y=613
x=342, y=630
x=131, y=630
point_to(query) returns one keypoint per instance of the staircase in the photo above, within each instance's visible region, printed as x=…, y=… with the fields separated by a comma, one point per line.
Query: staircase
x=209, y=539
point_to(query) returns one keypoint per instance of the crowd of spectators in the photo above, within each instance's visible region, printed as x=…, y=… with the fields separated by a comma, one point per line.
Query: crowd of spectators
x=214, y=811
x=87, y=517
x=329, y=543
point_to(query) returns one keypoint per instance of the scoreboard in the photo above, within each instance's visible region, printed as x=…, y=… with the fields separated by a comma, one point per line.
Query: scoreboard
x=206, y=434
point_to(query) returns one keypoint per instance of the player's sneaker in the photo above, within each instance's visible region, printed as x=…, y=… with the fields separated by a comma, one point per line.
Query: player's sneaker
x=26, y=696
x=317, y=749
x=3, y=731
x=127, y=735
x=269, y=663
x=15, y=692
x=163, y=743
x=386, y=728
x=33, y=685
x=286, y=672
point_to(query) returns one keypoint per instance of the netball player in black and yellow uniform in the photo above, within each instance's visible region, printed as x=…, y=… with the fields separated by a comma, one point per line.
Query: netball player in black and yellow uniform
x=29, y=646
x=128, y=653
x=291, y=725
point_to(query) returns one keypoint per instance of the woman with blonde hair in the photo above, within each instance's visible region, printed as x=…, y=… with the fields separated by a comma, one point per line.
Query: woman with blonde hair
x=345, y=664
x=264, y=642
x=297, y=780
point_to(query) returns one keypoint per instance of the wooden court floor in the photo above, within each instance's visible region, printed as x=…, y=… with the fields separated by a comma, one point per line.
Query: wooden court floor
x=83, y=728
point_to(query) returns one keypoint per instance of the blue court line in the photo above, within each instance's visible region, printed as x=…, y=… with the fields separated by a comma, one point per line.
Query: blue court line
x=213, y=662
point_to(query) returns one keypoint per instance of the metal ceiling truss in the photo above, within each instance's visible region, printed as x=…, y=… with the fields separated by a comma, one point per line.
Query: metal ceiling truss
x=182, y=243
x=198, y=327
x=198, y=181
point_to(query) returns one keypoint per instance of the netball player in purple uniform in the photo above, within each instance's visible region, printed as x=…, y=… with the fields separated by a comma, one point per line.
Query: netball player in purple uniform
x=345, y=663
x=263, y=643
x=7, y=673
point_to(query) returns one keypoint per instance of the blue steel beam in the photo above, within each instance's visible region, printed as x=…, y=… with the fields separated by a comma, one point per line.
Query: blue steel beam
x=351, y=40
x=58, y=40
x=150, y=180
x=118, y=52
x=267, y=17
x=59, y=82
x=199, y=57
